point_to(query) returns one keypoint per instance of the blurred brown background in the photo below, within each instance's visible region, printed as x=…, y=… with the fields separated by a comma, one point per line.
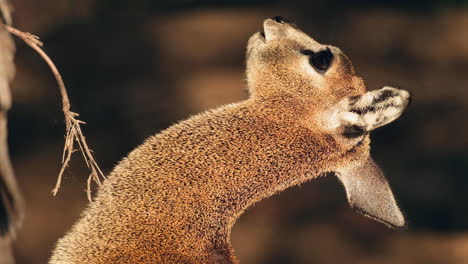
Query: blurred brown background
x=135, y=67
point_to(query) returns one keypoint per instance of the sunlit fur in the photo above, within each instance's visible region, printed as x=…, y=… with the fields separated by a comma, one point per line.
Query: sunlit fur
x=175, y=198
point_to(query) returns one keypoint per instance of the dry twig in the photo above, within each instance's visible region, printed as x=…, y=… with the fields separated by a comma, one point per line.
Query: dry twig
x=73, y=129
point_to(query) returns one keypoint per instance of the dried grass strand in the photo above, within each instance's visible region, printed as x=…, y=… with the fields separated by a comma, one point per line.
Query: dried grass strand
x=73, y=130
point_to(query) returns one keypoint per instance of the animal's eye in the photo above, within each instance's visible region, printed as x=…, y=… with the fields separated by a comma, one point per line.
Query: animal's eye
x=321, y=61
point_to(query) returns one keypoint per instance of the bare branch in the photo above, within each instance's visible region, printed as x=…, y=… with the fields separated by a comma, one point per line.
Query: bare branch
x=73, y=129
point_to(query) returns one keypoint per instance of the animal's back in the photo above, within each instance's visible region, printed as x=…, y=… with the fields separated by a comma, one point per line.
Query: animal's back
x=169, y=189
x=142, y=202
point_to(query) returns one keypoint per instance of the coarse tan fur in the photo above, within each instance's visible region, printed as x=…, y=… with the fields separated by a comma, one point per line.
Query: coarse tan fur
x=176, y=197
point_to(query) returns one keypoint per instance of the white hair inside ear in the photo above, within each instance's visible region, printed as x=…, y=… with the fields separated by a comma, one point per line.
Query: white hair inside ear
x=371, y=110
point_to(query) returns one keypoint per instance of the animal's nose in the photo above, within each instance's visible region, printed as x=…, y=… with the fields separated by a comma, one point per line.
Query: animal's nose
x=280, y=19
x=276, y=27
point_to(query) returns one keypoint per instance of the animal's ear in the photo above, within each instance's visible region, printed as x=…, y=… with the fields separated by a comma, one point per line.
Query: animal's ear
x=368, y=192
x=362, y=114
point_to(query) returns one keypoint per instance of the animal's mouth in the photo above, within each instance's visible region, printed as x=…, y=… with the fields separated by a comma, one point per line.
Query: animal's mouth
x=261, y=36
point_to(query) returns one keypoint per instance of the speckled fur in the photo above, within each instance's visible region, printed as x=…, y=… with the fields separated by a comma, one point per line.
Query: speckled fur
x=175, y=198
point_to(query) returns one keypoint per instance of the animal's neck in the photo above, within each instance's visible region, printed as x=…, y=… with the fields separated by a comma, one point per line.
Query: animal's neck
x=275, y=158
x=234, y=198
x=230, y=160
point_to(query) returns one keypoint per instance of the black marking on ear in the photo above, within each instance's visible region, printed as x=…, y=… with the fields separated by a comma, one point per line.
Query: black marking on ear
x=384, y=96
x=353, y=131
x=371, y=108
x=361, y=111
x=354, y=99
